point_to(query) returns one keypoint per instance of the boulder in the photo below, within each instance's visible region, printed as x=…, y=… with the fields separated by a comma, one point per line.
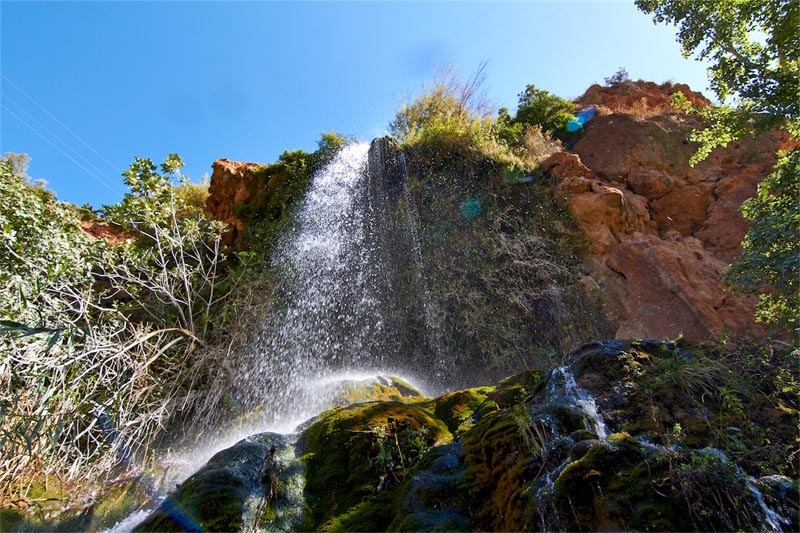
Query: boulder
x=658, y=233
x=673, y=288
x=233, y=184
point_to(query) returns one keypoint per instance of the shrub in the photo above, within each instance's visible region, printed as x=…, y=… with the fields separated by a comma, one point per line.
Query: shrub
x=769, y=264
x=100, y=345
x=620, y=76
x=540, y=108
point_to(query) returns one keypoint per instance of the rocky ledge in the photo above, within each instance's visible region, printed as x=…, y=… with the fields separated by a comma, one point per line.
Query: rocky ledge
x=627, y=435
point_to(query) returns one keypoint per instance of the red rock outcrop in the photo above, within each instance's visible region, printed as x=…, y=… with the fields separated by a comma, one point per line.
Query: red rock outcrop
x=233, y=183
x=659, y=233
x=639, y=95
x=102, y=230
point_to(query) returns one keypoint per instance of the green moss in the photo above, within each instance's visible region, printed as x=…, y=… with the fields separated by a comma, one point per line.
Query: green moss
x=381, y=389
x=373, y=513
x=461, y=409
x=583, y=488
x=352, y=452
x=518, y=388
x=496, y=456
x=13, y=520
x=213, y=499
x=119, y=500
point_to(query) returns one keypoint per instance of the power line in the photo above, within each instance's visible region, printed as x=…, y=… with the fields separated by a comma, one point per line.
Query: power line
x=105, y=182
x=37, y=104
x=53, y=135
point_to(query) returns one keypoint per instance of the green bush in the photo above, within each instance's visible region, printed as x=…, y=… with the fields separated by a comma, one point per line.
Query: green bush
x=448, y=129
x=769, y=264
x=538, y=107
x=101, y=345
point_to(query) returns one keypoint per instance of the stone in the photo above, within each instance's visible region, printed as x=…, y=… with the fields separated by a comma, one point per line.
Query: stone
x=233, y=184
x=673, y=288
x=650, y=183
x=657, y=233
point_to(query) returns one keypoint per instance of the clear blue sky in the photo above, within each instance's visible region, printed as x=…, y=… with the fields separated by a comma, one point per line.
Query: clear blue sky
x=86, y=86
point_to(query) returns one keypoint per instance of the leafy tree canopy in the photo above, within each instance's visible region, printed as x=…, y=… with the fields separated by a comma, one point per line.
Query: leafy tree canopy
x=153, y=198
x=549, y=111
x=754, y=50
x=770, y=259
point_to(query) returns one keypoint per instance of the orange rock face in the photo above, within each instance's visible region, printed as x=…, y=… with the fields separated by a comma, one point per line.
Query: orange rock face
x=233, y=183
x=659, y=233
x=103, y=231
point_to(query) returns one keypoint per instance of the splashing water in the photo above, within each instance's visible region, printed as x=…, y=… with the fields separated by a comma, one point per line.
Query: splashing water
x=329, y=315
x=349, y=296
x=349, y=283
x=771, y=519
x=583, y=399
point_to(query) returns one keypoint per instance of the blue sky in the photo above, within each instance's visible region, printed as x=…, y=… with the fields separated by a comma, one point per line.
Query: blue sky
x=86, y=86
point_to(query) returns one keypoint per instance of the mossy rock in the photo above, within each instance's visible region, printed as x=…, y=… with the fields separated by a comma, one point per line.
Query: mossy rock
x=356, y=457
x=460, y=410
x=435, y=496
x=518, y=388
x=213, y=499
x=495, y=457
x=379, y=389
x=610, y=486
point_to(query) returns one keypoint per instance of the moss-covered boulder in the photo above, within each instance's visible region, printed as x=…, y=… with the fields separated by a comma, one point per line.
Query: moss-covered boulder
x=356, y=458
x=215, y=498
x=637, y=435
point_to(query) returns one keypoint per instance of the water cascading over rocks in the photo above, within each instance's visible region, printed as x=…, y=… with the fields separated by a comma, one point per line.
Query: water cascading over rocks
x=351, y=292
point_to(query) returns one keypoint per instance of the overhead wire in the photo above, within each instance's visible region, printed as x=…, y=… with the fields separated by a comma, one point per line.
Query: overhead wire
x=99, y=175
x=54, y=136
x=37, y=104
x=65, y=154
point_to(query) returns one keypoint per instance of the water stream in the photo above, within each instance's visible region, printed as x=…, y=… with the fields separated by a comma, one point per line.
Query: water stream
x=562, y=378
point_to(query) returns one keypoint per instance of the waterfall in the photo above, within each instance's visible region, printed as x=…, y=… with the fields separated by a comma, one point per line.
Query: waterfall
x=594, y=422
x=328, y=315
x=349, y=288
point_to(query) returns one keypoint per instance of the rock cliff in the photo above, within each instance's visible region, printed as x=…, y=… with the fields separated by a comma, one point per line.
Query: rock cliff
x=658, y=233
x=234, y=184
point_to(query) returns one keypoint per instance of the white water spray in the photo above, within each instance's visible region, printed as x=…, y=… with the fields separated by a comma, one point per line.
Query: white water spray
x=583, y=399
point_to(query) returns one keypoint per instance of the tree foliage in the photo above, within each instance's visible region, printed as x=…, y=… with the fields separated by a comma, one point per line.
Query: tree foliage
x=449, y=126
x=41, y=241
x=770, y=259
x=753, y=47
x=542, y=108
x=151, y=198
x=101, y=344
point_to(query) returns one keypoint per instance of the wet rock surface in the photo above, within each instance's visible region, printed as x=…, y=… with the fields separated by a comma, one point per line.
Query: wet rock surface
x=634, y=435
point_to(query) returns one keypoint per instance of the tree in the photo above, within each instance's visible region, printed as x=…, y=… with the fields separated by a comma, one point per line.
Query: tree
x=151, y=199
x=754, y=50
x=102, y=344
x=539, y=107
x=770, y=261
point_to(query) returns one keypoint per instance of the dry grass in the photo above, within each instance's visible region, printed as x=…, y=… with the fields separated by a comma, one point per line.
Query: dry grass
x=95, y=394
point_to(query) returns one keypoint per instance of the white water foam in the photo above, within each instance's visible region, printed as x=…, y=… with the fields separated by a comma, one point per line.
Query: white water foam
x=583, y=399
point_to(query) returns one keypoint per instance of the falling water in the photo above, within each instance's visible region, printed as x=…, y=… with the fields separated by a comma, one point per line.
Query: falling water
x=329, y=315
x=582, y=398
x=349, y=298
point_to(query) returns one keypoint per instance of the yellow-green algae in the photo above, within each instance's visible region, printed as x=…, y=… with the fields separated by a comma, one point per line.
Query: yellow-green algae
x=342, y=462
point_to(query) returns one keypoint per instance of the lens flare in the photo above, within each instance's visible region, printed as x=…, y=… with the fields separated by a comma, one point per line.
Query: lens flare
x=581, y=118
x=471, y=208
